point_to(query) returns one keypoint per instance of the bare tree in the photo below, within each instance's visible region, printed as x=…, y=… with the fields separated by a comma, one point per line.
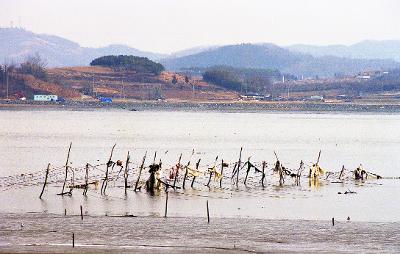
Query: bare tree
x=35, y=66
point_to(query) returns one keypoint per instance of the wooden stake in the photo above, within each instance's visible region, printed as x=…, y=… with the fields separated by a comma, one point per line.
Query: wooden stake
x=109, y=162
x=319, y=156
x=177, y=170
x=155, y=156
x=65, y=212
x=222, y=174
x=263, y=173
x=341, y=173
x=73, y=240
x=166, y=205
x=247, y=171
x=333, y=221
x=208, y=214
x=238, y=167
x=209, y=179
x=212, y=171
x=66, y=169
x=197, y=168
x=81, y=213
x=140, y=171
x=126, y=173
x=86, y=179
x=45, y=180
x=185, y=176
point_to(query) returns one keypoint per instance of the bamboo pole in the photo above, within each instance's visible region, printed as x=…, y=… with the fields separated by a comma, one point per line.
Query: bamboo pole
x=140, y=171
x=66, y=169
x=81, y=212
x=45, y=180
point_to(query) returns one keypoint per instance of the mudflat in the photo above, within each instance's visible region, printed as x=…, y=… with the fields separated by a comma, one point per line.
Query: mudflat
x=48, y=233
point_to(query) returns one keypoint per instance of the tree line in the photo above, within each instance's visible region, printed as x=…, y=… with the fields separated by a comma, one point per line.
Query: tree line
x=242, y=80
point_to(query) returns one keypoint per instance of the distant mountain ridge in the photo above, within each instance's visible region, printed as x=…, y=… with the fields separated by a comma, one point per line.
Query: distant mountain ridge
x=302, y=60
x=369, y=49
x=270, y=56
x=16, y=44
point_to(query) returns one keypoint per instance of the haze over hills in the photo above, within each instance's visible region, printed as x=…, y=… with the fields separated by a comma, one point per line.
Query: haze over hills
x=270, y=56
x=16, y=44
x=389, y=49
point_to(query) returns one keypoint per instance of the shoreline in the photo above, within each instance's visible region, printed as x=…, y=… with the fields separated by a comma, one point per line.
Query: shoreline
x=225, y=106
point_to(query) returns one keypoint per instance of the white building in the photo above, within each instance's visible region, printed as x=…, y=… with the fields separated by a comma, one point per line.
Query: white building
x=45, y=97
x=317, y=98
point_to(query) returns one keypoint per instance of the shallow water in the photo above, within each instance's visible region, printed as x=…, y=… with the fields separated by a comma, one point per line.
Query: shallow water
x=31, y=139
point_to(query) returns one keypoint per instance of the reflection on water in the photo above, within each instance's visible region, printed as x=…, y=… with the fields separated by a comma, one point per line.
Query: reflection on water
x=30, y=140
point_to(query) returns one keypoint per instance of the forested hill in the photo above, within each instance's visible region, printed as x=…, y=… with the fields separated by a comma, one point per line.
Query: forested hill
x=269, y=56
x=131, y=63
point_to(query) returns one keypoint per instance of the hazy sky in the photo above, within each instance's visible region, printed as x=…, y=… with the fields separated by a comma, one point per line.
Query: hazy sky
x=170, y=25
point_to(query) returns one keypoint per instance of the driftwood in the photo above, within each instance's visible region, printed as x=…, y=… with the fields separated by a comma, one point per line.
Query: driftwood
x=66, y=171
x=167, y=185
x=69, y=193
x=45, y=180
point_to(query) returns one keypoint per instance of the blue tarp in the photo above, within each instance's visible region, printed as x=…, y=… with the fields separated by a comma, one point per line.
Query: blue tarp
x=105, y=99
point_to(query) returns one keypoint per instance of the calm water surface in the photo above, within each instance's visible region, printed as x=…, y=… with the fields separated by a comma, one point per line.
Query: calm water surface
x=31, y=139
